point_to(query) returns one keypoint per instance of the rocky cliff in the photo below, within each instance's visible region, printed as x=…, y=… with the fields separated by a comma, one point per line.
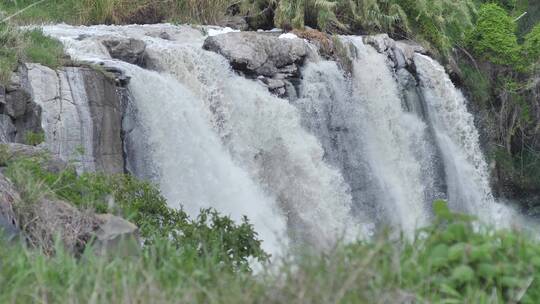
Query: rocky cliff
x=79, y=110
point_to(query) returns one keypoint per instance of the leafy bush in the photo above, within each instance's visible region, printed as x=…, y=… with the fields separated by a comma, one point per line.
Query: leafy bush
x=141, y=203
x=531, y=46
x=448, y=262
x=494, y=36
x=33, y=138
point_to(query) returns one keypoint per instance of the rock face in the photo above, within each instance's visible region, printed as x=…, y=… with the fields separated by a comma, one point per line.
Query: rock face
x=8, y=220
x=128, y=49
x=113, y=231
x=400, y=52
x=264, y=56
x=18, y=113
x=255, y=53
x=81, y=116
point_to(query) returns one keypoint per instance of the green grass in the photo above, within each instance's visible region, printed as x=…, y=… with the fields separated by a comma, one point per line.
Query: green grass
x=33, y=138
x=206, y=259
x=119, y=11
x=449, y=262
x=140, y=202
x=26, y=46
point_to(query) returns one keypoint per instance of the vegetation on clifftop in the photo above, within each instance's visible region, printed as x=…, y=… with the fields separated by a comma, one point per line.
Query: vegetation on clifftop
x=18, y=46
x=141, y=203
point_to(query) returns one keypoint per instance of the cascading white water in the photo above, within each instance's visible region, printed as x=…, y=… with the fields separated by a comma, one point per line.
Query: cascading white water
x=219, y=140
x=189, y=162
x=212, y=138
x=467, y=174
x=390, y=137
x=264, y=136
x=366, y=132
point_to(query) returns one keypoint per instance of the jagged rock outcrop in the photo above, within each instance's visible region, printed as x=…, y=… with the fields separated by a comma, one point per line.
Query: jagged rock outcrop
x=273, y=60
x=81, y=115
x=18, y=113
x=126, y=49
x=255, y=53
x=401, y=52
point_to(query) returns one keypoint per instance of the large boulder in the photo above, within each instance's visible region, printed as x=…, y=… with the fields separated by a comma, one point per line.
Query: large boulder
x=126, y=49
x=257, y=53
x=115, y=233
x=234, y=22
x=47, y=218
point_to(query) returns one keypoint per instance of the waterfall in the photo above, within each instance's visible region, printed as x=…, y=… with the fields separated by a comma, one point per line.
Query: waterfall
x=215, y=139
x=467, y=174
x=372, y=146
x=380, y=147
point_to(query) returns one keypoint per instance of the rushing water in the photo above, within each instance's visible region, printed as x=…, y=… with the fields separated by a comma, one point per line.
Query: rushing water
x=354, y=150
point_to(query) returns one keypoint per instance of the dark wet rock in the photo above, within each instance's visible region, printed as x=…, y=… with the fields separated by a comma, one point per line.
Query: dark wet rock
x=128, y=49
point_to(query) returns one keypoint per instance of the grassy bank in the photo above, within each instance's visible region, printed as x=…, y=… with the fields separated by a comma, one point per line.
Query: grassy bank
x=30, y=46
x=118, y=11
x=207, y=259
x=447, y=263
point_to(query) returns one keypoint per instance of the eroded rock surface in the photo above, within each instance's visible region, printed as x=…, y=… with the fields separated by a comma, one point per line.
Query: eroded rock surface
x=18, y=113
x=8, y=197
x=81, y=116
x=265, y=56
x=255, y=53
x=126, y=49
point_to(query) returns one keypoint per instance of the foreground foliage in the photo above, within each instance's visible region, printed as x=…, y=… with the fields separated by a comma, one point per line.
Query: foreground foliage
x=209, y=234
x=448, y=262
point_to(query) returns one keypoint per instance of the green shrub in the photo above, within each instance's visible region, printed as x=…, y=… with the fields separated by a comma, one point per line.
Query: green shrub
x=453, y=261
x=141, y=203
x=494, y=36
x=34, y=138
x=531, y=46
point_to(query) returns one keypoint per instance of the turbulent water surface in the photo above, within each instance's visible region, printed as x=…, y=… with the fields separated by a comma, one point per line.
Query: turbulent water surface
x=355, y=150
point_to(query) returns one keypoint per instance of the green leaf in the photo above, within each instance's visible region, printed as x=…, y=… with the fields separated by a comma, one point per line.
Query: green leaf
x=457, y=252
x=463, y=274
x=487, y=271
x=439, y=255
x=450, y=291
x=440, y=208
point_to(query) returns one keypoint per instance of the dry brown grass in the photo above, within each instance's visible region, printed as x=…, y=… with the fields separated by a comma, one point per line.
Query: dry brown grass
x=318, y=38
x=153, y=11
